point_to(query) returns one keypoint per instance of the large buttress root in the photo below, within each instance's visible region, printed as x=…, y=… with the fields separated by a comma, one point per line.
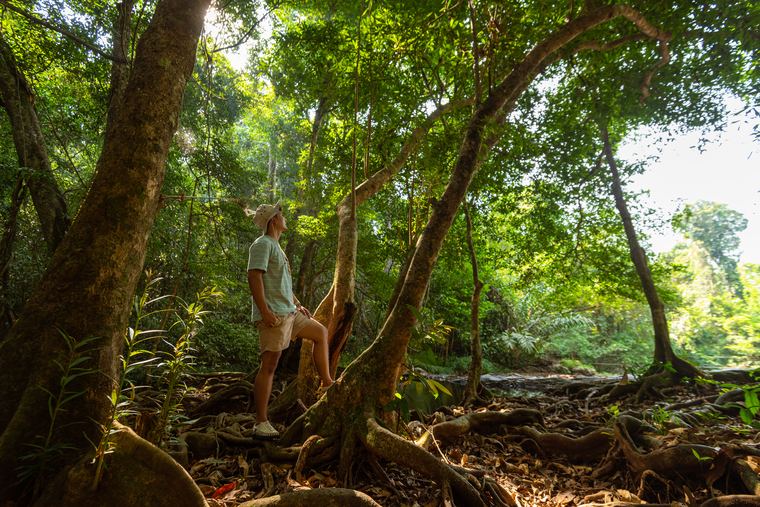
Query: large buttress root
x=394, y=448
x=139, y=473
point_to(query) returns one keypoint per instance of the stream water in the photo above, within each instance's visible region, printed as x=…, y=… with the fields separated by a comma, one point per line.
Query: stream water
x=501, y=384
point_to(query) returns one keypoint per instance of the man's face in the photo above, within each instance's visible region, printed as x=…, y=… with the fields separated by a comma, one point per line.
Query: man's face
x=281, y=221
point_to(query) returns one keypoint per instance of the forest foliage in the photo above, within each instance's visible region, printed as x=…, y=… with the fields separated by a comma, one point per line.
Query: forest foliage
x=281, y=125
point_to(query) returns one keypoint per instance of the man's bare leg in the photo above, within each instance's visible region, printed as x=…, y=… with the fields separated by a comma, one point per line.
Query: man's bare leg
x=317, y=334
x=262, y=386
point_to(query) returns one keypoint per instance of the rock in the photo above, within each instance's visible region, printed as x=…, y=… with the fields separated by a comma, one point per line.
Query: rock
x=582, y=370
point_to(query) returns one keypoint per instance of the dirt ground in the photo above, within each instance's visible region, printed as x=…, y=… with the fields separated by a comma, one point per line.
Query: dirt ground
x=699, y=445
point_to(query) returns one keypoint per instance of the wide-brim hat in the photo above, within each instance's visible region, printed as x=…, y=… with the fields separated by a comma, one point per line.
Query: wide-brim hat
x=265, y=212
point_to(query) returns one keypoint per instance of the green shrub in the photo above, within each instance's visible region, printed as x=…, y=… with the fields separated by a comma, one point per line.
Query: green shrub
x=574, y=363
x=227, y=345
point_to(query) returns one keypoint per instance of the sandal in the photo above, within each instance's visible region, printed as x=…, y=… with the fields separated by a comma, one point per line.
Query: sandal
x=265, y=431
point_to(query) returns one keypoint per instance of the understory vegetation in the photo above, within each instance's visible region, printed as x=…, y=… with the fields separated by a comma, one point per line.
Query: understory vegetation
x=455, y=205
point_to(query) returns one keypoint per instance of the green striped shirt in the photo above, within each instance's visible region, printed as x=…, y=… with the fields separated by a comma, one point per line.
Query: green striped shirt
x=265, y=254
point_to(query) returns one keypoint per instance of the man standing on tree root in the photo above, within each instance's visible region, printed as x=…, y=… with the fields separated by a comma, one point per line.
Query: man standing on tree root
x=277, y=313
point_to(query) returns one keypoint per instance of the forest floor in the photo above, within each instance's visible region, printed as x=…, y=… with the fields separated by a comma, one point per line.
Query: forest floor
x=532, y=472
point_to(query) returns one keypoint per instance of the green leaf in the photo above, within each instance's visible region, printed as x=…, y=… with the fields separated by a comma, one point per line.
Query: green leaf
x=416, y=313
x=79, y=361
x=439, y=386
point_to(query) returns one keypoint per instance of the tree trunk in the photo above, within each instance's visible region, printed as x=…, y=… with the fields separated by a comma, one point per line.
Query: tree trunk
x=663, y=352
x=348, y=408
x=31, y=150
x=303, y=270
x=122, y=36
x=88, y=286
x=337, y=313
x=476, y=351
x=7, y=242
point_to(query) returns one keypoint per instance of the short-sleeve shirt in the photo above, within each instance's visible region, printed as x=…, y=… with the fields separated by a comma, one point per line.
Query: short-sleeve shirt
x=265, y=254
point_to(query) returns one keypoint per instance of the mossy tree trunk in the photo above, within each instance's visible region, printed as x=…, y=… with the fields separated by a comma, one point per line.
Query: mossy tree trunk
x=31, y=150
x=88, y=286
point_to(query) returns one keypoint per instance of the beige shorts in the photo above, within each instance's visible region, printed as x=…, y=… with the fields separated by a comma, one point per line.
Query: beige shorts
x=279, y=336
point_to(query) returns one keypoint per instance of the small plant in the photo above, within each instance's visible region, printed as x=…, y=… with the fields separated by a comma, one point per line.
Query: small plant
x=178, y=360
x=43, y=456
x=660, y=417
x=749, y=409
x=133, y=338
x=420, y=353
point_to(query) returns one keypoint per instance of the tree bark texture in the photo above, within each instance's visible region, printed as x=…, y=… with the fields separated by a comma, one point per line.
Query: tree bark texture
x=31, y=150
x=8, y=240
x=122, y=35
x=663, y=351
x=88, y=286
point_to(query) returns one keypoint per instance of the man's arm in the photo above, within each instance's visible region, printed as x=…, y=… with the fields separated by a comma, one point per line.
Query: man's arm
x=256, y=286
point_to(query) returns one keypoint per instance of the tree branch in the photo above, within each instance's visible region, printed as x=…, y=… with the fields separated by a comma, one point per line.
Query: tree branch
x=63, y=32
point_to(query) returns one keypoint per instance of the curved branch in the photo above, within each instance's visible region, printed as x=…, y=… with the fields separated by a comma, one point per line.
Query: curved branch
x=63, y=32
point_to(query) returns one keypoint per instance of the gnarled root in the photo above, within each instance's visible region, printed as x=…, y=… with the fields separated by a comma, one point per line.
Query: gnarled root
x=394, y=448
x=593, y=445
x=449, y=430
x=282, y=409
x=323, y=497
x=241, y=387
x=664, y=461
x=733, y=501
x=139, y=473
x=749, y=477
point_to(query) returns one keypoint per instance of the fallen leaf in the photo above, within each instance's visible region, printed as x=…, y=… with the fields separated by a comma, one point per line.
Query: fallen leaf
x=224, y=489
x=564, y=498
x=627, y=496
x=206, y=489
x=243, y=464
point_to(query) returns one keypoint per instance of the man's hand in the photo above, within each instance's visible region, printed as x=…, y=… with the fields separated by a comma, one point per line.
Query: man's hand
x=270, y=318
x=304, y=310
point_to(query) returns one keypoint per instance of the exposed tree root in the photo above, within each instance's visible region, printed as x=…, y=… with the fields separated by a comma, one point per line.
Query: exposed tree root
x=733, y=501
x=394, y=448
x=478, y=420
x=749, y=477
x=323, y=497
x=139, y=473
x=593, y=445
x=241, y=387
x=624, y=504
x=664, y=461
x=281, y=409
x=620, y=391
x=646, y=388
